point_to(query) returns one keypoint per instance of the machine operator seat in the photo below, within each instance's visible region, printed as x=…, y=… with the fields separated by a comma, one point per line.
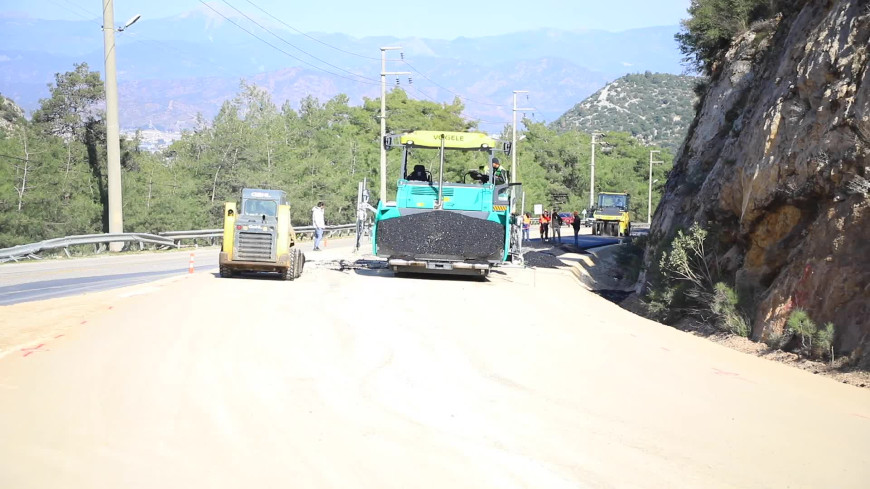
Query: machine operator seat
x=420, y=174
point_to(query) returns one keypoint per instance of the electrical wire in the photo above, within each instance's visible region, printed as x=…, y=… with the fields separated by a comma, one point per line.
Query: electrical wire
x=76, y=171
x=91, y=15
x=283, y=51
x=261, y=26
x=462, y=97
x=87, y=17
x=309, y=36
x=185, y=56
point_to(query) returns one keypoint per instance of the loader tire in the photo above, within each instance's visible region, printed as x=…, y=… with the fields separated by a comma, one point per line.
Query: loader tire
x=289, y=273
x=299, y=262
x=226, y=272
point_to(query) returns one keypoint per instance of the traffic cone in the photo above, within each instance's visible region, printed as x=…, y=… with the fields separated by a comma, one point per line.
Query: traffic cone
x=190, y=264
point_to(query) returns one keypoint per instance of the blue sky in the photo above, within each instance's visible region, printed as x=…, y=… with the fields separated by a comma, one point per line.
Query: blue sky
x=444, y=19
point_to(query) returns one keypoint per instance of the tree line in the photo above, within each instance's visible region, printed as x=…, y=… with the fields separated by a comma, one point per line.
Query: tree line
x=53, y=165
x=713, y=24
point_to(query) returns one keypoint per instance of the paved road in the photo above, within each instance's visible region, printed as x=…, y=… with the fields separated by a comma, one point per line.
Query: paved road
x=360, y=379
x=32, y=281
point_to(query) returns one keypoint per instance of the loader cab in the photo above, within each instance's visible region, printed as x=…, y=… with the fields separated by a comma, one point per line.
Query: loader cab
x=261, y=205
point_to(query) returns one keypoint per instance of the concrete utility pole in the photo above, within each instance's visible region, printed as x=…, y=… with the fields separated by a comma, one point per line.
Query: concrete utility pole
x=514, y=138
x=592, y=175
x=113, y=143
x=384, y=73
x=116, y=217
x=649, y=202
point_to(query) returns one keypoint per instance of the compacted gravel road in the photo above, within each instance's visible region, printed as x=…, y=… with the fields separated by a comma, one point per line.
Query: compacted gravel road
x=355, y=378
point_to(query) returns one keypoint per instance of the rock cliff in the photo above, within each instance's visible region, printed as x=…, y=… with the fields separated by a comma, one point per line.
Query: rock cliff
x=776, y=167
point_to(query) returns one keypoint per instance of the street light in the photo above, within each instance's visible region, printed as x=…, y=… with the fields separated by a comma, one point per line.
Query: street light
x=113, y=142
x=130, y=22
x=649, y=201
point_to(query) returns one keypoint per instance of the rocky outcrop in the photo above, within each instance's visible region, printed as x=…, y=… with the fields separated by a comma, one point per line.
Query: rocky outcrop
x=776, y=166
x=11, y=114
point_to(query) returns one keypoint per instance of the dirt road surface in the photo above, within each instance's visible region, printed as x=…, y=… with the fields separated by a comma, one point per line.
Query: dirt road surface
x=359, y=379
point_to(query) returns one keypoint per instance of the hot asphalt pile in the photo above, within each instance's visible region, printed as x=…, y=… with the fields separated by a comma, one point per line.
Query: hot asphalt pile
x=441, y=234
x=541, y=259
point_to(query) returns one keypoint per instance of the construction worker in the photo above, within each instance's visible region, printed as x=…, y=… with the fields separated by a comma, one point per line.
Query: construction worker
x=556, y=225
x=499, y=175
x=576, y=223
x=527, y=226
x=317, y=218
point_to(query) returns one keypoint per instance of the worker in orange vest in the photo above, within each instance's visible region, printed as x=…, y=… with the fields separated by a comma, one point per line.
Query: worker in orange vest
x=545, y=225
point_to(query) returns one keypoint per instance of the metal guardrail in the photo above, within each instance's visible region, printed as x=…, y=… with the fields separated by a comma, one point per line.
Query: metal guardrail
x=170, y=239
x=301, y=231
x=31, y=250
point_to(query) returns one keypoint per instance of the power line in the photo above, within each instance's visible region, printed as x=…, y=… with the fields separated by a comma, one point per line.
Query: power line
x=367, y=57
x=309, y=36
x=282, y=51
x=424, y=94
x=87, y=17
x=493, y=122
x=462, y=97
x=81, y=9
x=186, y=56
x=261, y=26
x=18, y=158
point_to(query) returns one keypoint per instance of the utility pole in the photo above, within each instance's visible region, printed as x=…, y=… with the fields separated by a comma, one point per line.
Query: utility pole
x=113, y=143
x=113, y=150
x=592, y=174
x=384, y=73
x=649, y=202
x=514, y=137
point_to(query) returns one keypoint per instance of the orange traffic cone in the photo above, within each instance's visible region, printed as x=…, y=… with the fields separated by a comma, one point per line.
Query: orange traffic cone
x=190, y=264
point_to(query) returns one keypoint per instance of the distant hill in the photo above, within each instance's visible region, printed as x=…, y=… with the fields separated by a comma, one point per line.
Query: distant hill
x=655, y=107
x=172, y=68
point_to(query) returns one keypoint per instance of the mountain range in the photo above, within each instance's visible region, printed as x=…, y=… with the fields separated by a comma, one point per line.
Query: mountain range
x=170, y=69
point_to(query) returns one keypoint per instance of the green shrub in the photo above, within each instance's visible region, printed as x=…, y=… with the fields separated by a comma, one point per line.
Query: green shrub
x=687, y=262
x=799, y=323
x=724, y=307
x=825, y=340
x=688, y=285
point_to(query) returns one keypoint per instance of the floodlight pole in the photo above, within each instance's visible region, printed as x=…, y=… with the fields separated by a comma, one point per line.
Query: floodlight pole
x=384, y=73
x=513, y=174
